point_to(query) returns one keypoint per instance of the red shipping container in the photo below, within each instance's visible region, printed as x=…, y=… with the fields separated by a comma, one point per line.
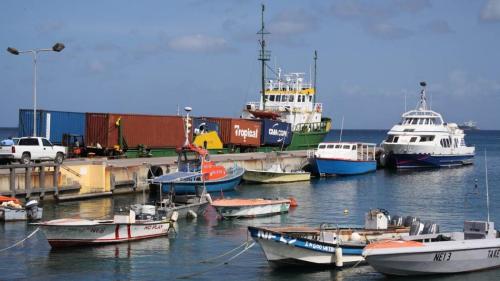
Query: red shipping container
x=240, y=132
x=153, y=131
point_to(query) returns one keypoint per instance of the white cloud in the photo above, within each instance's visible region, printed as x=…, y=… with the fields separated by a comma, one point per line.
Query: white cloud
x=198, y=43
x=386, y=30
x=292, y=22
x=491, y=11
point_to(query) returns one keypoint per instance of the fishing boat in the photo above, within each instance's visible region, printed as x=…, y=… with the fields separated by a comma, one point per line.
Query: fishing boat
x=344, y=158
x=476, y=248
x=423, y=140
x=196, y=171
x=275, y=174
x=326, y=245
x=469, y=126
x=11, y=209
x=122, y=228
x=250, y=208
x=289, y=98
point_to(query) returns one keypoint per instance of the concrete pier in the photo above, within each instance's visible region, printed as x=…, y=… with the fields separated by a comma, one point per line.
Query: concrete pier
x=93, y=177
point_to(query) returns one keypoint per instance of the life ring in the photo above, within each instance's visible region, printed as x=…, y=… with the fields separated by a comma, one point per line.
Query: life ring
x=318, y=108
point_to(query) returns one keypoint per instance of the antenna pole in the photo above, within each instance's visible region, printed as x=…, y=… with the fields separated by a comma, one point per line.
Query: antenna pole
x=487, y=188
x=263, y=57
x=315, y=85
x=341, y=129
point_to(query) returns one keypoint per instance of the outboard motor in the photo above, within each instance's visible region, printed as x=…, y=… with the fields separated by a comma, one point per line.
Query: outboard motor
x=416, y=228
x=409, y=220
x=32, y=210
x=397, y=220
x=430, y=228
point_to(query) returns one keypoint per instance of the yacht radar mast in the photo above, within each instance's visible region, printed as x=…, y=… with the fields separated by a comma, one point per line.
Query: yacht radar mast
x=423, y=99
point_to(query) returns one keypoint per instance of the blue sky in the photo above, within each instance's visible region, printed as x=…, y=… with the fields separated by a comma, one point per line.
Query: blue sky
x=151, y=56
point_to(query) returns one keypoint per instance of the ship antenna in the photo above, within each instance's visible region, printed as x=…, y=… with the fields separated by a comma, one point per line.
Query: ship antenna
x=423, y=100
x=264, y=55
x=315, y=85
x=487, y=188
x=341, y=129
x=187, y=125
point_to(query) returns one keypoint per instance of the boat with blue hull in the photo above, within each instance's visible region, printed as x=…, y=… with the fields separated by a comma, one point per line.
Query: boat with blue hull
x=344, y=158
x=423, y=140
x=326, y=245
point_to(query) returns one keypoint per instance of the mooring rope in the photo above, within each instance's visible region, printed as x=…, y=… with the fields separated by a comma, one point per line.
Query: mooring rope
x=217, y=265
x=17, y=243
x=209, y=260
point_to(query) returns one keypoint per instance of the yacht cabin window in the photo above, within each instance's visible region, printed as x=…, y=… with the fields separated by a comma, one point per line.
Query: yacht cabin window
x=354, y=147
x=414, y=121
x=321, y=146
x=347, y=147
x=413, y=139
x=396, y=139
x=330, y=146
x=338, y=146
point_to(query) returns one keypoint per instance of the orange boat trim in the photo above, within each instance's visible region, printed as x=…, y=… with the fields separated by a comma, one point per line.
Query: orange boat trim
x=393, y=244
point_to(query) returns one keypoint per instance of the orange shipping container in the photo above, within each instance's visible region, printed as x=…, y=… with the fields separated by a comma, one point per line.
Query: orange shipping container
x=154, y=131
x=240, y=132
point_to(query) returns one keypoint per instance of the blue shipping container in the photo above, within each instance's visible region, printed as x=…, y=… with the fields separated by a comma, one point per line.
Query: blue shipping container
x=276, y=133
x=203, y=124
x=51, y=124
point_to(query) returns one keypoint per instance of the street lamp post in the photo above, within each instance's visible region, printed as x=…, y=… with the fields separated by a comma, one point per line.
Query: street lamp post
x=56, y=48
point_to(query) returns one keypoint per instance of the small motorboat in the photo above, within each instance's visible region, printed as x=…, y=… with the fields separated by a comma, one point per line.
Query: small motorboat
x=327, y=245
x=122, y=228
x=476, y=248
x=11, y=209
x=195, y=170
x=250, y=208
x=343, y=158
x=275, y=174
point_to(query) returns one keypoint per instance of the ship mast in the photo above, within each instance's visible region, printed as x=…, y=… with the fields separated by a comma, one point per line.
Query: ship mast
x=423, y=100
x=314, y=85
x=264, y=56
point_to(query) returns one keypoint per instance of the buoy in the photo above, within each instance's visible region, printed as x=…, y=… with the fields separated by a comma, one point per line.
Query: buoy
x=338, y=257
x=346, y=211
x=192, y=214
x=293, y=202
x=174, y=216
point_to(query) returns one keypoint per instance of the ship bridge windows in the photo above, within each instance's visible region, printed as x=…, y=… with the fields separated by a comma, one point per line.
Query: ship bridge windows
x=278, y=97
x=338, y=146
x=426, y=138
x=290, y=99
x=413, y=139
x=330, y=146
x=321, y=146
x=347, y=147
x=284, y=98
x=271, y=98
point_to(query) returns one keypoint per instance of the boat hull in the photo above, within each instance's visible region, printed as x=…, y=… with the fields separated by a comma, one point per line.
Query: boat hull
x=256, y=176
x=344, y=167
x=63, y=235
x=229, y=212
x=282, y=250
x=182, y=210
x=409, y=161
x=227, y=183
x=436, y=262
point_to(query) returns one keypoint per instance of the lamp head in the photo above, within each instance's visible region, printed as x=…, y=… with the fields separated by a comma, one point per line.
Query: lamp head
x=13, y=51
x=58, y=47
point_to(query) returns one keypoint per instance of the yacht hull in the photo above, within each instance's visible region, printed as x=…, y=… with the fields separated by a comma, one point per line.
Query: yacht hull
x=409, y=161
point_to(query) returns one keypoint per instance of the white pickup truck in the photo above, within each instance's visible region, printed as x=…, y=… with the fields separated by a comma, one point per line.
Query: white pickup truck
x=29, y=149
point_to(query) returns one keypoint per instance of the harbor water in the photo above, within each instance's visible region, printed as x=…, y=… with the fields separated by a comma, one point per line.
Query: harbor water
x=445, y=196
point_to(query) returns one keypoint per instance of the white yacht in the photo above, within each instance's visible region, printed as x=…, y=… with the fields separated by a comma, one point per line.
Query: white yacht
x=423, y=139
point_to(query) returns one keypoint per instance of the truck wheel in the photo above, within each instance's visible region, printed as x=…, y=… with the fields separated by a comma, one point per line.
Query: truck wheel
x=59, y=158
x=26, y=158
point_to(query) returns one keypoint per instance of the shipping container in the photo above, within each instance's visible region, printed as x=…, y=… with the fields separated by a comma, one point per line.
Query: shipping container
x=51, y=124
x=238, y=132
x=200, y=124
x=153, y=131
x=275, y=133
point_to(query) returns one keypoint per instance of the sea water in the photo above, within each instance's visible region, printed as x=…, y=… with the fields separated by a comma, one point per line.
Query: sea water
x=445, y=196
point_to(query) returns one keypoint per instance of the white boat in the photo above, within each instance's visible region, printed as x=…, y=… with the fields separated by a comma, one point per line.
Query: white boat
x=249, y=208
x=324, y=246
x=343, y=158
x=123, y=228
x=14, y=211
x=275, y=174
x=476, y=248
x=422, y=139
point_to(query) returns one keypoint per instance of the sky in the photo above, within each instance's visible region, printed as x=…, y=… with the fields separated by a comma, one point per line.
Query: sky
x=155, y=56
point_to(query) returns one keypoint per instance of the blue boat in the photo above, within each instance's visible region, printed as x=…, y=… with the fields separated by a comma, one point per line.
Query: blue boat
x=344, y=158
x=195, y=170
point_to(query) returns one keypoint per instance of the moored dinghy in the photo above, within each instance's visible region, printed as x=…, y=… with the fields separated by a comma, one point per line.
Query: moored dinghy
x=324, y=246
x=275, y=174
x=123, y=228
x=249, y=208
